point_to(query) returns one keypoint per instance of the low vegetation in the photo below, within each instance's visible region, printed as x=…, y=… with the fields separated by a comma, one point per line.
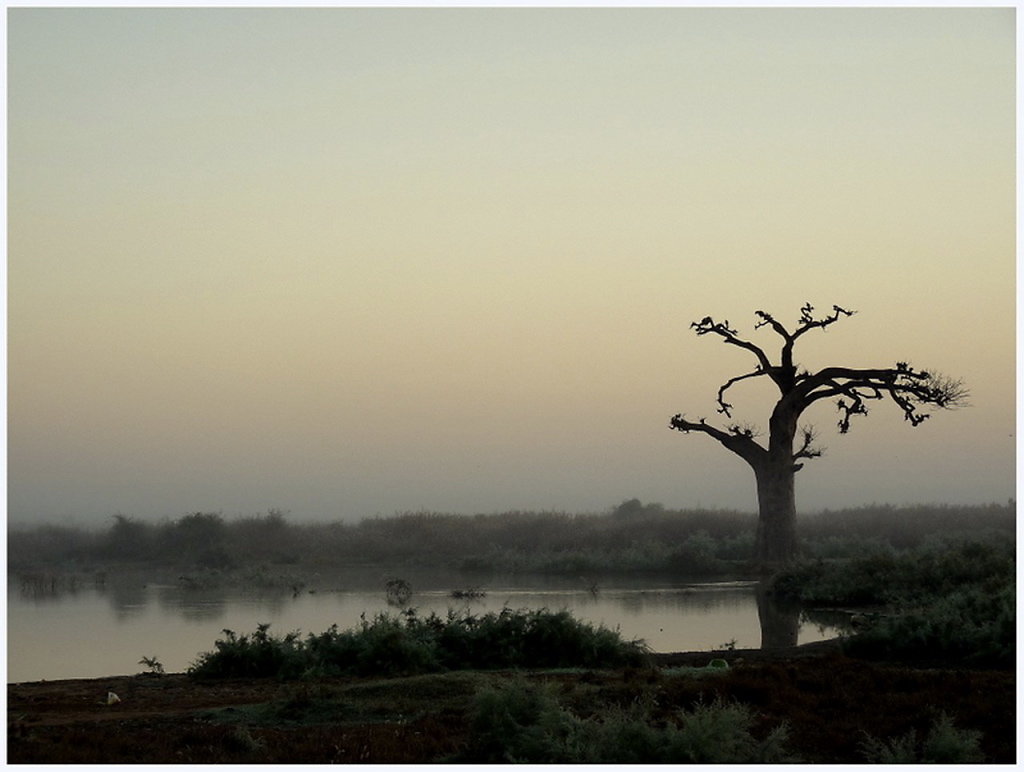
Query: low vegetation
x=630, y=538
x=523, y=722
x=408, y=644
x=944, y=744
x=899, y=578
x=824, y=709
x=155, y=667
x=923, y=586
x=970, y=627
x=936, y=584
x=954, y=603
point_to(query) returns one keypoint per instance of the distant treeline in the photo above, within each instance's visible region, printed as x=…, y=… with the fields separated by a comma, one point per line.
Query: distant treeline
x=631, y=537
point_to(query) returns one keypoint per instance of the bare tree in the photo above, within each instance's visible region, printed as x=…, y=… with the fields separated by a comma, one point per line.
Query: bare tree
x=775, y=466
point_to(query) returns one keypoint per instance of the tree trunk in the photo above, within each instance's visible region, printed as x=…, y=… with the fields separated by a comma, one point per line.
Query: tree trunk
x=775, y=543
x=776, y=502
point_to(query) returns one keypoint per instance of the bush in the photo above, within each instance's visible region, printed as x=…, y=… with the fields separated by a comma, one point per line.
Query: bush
x=888, y=578
x=975, y=626
x=716, y=733
x=696, y=556
x=949, y=603
x=391, y=647
x=257, y=656
x=720, y=734
x=127, y=539
x=409, y=644
x=522, y=722
x=944, y=744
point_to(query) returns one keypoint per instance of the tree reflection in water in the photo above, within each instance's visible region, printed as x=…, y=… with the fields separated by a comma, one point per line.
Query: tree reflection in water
x=780, y=621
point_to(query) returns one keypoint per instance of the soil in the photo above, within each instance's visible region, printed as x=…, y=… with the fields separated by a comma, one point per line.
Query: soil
x=828, y=700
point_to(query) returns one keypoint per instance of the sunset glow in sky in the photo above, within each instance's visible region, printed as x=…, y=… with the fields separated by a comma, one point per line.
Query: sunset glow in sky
x=353, y=261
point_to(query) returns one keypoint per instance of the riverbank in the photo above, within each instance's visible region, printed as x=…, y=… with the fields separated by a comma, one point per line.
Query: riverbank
x=830, y=703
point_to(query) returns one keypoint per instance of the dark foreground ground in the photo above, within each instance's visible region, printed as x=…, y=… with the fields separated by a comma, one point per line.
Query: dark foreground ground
x=828, y=700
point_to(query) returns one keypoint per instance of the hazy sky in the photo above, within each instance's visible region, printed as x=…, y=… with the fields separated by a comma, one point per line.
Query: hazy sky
x=356, y=261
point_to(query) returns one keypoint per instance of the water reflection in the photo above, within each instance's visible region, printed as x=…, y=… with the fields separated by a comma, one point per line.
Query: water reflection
x=125, y=618
x=780, y=621
x=193, y=606
x=827, y=623
x=127, y=599
x=194, y=603
x=41, y=586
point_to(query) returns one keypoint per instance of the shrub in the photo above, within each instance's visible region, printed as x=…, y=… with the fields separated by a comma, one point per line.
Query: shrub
x=949, y=603
x=127, y=538
x=391, y=647
x=974, y=626
x=885, y=578
x=944, y=744
x=155, y=666
x=720, y=734
x=260, y=655
x=522, y=722
x=519, y=723
x=409, y=644
x=192, y=536
x=622, y=736
x=696, y=555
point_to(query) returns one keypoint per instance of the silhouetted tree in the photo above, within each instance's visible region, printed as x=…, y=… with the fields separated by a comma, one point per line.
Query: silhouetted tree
x=633, y=509
x=128, y=539
x=196, y=538
x=776, y=465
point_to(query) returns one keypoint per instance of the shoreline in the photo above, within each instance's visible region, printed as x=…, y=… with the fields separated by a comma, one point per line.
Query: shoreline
x=658, y=659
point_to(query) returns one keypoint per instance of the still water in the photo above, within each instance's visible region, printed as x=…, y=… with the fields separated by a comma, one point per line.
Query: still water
x=94, y=631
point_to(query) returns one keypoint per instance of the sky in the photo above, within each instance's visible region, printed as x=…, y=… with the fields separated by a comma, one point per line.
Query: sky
x=348, y=262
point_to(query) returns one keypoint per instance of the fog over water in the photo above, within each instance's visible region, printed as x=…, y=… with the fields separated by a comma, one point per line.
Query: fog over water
x=358, y=261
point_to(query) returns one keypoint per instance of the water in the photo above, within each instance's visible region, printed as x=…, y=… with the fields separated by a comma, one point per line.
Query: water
x=97, y=631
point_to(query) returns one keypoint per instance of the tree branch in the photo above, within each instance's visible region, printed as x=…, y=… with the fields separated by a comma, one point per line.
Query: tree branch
x=910, y=389
x=768, y=319
x=728, y=335
x=738, y=439
x=725, y=407
x=808, y=322
x=807, y=449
